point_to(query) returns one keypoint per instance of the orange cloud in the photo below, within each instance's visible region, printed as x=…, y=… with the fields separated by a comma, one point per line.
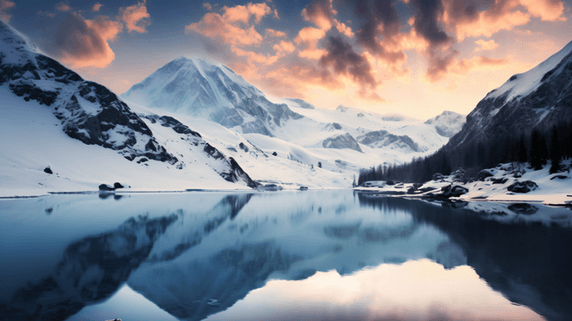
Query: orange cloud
x=319, y=12
x=467, y=19
x=547, y=10
x=233, y=26
x=63, y=6
x=244, y=13
x=486, y=45
x=214, y=25
x=84, y=43
x=286, y=46
x=96, y=7
x=208, y=6
x=6, y=5
x=136, y=17
x=274, y=33
x=463, y=66
x=309, y=35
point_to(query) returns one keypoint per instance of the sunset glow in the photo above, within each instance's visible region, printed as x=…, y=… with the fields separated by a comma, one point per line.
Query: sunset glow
x=412, y=57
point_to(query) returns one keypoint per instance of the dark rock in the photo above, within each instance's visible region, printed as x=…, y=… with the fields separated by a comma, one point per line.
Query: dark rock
x=117, y=185
x=559, y=177
x=303, y=188
x=48, y=170
x=454, y=205
x=438, y=176
x=458, y=174
x=522, y=187
x=523, y=208
x=501, y=180
x=337, y=126
x=453, y=191
x=484, y=174
x=274, y=154
x=390, y=183
x=106, y=188
x=243, y=147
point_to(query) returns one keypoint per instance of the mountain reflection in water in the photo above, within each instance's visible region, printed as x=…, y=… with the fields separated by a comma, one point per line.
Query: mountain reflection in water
x=330, y=255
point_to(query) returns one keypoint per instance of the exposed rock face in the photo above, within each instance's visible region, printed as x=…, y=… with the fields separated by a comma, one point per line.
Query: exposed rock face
x=226, y=167
x=540, y=97
x=88, y=111
x=382, y=138
x=342, y=141
x=201, y=88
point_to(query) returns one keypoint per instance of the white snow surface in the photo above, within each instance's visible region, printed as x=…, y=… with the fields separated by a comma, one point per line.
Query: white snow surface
x=527, y=82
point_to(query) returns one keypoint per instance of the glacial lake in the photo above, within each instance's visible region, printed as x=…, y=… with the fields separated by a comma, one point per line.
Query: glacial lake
x=304, y=255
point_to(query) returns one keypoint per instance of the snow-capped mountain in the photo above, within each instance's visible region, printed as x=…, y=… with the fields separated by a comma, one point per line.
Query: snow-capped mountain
x=200, y=88
x=541, y=96
x=38, y=91
x=448, y=123
x=346, y=138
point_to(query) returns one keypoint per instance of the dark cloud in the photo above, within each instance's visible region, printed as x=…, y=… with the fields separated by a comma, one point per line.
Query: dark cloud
x=341, y=56
x=427, y=22
x=440, y=62
x=381, y=26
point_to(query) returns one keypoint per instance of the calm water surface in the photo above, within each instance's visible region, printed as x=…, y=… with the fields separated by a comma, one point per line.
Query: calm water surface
x=316, y=255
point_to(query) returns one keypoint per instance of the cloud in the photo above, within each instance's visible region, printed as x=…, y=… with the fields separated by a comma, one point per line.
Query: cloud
x=448, y=65
x=82, y=43
x=245, y=13
x=136, y=17
x=274, y=33
x=63, y=6
x=6, y=5
x=96, y=7
x=284, y=46
x=320, y=13
x=474, y=18
x=344, y=60
x=208, y=6
x=486, y=45
x=233, y=26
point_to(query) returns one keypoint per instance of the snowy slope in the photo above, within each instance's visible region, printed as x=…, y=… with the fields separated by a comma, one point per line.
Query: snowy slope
x=87, y=136
x=540, y=97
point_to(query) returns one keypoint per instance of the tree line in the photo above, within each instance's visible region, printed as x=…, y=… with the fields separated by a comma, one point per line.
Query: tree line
x=535, y=147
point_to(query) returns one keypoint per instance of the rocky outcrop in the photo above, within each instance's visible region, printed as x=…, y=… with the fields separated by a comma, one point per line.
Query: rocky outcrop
x=522, y=187
x=88, y=111
x=341, y=142
x=382, y=138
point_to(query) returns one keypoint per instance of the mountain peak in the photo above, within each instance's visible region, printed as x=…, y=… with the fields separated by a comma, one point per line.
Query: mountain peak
x=201, y=88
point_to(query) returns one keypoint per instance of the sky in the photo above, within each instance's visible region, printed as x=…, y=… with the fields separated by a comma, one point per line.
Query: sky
x=412, y=57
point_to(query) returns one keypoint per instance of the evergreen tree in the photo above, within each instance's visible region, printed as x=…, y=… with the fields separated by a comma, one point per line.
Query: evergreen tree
x=522, y=152
x=538, y=150
x=555, y=152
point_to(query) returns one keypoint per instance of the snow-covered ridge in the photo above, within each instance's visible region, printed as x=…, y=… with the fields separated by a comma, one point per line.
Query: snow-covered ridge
x=541, y=97
x=523, y=84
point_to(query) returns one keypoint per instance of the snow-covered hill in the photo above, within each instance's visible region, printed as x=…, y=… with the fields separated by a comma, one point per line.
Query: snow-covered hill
x=60, y=132
x=541, y=96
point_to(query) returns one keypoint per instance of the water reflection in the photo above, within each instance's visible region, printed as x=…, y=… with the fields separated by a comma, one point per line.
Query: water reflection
x=276, y=255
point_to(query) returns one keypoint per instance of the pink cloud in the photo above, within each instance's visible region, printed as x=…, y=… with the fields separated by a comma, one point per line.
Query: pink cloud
x=63, y=7
x=207, y=6
x=83, y=43
x=6, y=5
x=136, y=17
x=96, y=7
